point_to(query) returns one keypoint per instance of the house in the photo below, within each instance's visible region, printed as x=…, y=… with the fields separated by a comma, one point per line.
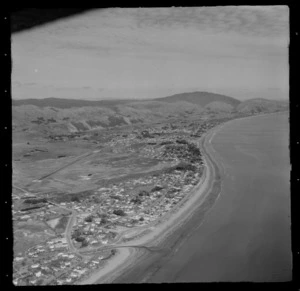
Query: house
x=33, y=281
x=35, y=266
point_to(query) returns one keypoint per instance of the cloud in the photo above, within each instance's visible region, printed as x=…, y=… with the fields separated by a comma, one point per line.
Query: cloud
x=257, y=20
x=155, y=48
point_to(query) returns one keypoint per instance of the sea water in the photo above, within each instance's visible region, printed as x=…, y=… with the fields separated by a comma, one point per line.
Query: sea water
x=246, y=235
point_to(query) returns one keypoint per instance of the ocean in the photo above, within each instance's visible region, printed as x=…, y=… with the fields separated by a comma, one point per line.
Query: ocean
x=246, y=235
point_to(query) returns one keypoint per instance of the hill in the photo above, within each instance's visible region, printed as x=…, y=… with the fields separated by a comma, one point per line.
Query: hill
x=200, y=98
x=259, y=105
x=68, y=103
x=62, y=116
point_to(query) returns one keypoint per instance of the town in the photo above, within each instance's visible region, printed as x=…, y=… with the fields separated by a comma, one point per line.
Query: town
x=70, y=235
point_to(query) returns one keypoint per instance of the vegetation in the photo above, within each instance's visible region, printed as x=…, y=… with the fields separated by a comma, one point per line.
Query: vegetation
x=143, y=193
x=119, y=212
x=136, y=200
x=157, y=188
x=166, y=142
x=89, y=218
x=35, y=201
x=183, y=166
x=181, y=141
x=75, y=199
x=62, y=223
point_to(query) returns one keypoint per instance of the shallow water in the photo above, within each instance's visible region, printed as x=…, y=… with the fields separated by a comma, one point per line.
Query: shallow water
x=246, y=235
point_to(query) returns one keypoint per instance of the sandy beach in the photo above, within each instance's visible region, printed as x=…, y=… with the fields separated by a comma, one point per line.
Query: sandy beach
x=126, y=257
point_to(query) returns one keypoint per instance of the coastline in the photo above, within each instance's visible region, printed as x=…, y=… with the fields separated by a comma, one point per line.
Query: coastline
x=125, y=257
x=201, y=199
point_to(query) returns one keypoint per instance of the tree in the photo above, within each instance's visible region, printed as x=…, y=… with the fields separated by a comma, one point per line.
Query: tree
x=181, y=141
x=103, y=221
x=84, y=243
x=80, y=239
x=75, y=199
x=77, y=233
x=89, y=218
x=136, y=200
x=119, y=212
x=156, y=188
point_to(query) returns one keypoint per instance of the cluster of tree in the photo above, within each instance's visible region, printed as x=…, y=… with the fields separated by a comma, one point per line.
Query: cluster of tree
x=170, y=195
x=103, y=221
x=183, y=166
x=35, y=201
x=178, y=150
x=166, y=142
x=143, y=193
x=181, y=141
x=84, y=243
x=173, y=190
x=51, y=120
x=75, y=199
x=194, y=150
x=156, y=188
x=119, y=212
x=102, y=215
x=39, y=120
x=104, y=218
x=97, y=199
x=32, y=207
x=146, y=134
x=77, y=235
x=115, y=120
x=115, y=197
x=136, y=200
x=89, y=218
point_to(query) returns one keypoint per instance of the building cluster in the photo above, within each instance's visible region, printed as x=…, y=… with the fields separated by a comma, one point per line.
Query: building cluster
x=43, y=212
x=103, y=215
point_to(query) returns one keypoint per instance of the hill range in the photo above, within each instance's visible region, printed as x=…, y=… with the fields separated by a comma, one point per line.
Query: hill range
x=61, y=116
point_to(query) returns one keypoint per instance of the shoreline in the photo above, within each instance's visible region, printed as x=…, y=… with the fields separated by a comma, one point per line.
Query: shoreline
x=127, y=257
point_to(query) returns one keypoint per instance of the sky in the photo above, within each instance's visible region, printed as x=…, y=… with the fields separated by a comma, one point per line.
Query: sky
x=239, y=51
